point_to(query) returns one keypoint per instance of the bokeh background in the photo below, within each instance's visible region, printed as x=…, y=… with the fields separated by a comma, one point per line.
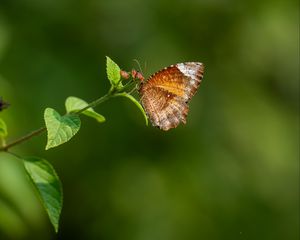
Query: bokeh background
x=231, y=173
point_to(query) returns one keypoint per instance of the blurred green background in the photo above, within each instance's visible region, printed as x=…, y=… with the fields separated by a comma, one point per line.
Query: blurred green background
x=231, y=173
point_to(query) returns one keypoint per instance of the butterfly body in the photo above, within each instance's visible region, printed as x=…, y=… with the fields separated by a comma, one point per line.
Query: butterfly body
x=165, y=95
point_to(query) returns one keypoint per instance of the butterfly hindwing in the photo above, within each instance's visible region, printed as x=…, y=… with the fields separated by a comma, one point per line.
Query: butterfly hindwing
x=165, y=110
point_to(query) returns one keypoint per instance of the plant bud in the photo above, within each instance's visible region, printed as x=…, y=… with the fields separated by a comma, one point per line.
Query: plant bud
x=124, y=74
x=133, y=73
x=140, y=76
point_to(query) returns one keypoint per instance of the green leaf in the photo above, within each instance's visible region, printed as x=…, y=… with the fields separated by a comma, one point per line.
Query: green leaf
x=113, y=72
x=48, y=185
x=3, y=129
x=136, y=102
x=74, y=104
x=60, y=128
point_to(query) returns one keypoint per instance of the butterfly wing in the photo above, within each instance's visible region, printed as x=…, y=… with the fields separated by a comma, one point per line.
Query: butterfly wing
x=166, y=94
x=163, y=111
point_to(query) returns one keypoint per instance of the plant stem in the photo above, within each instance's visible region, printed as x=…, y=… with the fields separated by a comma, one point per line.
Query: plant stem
x=23, y=139
x=96, y=102
x=37, y=132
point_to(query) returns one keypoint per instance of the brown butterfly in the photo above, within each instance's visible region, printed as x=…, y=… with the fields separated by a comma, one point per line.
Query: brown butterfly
x=165, y=95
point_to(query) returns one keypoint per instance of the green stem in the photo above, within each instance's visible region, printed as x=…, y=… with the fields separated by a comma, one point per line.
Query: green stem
x=37, y=132
x=23, y=139
x=96, y=102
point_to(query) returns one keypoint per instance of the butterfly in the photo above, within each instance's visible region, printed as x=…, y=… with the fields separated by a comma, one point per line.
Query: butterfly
x=166, y=94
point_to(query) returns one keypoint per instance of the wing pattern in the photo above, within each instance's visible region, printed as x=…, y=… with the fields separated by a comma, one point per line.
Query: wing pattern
x=165, y=95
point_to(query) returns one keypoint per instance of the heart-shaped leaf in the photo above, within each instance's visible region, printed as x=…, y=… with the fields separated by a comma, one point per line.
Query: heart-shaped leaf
x=48, y=185
x=60, y=128
x=74, y=104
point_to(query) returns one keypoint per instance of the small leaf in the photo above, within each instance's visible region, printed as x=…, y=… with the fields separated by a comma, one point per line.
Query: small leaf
x=48, y=185
x=136, y=102
x=3, y=129
x=74, y=104
x=60, y=128
x=113, y=72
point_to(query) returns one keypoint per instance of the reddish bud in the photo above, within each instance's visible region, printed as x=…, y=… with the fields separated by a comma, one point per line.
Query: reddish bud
x=124, y=74
x=140, y=76
x=133, y=73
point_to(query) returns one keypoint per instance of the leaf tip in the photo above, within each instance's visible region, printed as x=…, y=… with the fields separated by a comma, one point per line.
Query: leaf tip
x=47, y=147
x=48, y=186
x=55, y=226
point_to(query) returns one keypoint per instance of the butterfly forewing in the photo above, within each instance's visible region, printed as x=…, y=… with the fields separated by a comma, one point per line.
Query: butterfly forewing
x=166, y=93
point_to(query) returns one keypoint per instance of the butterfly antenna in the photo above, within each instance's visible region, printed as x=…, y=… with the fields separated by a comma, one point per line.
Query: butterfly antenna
x=145, y=66
x=139, y=65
